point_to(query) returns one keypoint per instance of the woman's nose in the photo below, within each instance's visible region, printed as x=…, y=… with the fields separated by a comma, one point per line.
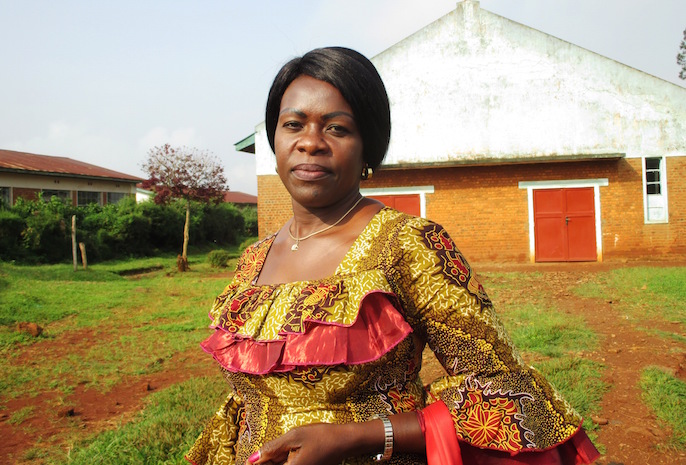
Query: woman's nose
x=312, y=141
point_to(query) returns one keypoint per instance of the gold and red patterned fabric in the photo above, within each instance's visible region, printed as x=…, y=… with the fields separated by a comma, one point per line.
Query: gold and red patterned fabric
x=345, y=348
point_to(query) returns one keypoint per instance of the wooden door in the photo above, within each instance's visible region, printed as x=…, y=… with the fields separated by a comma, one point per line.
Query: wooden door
x=405, y=203
x=564, y=225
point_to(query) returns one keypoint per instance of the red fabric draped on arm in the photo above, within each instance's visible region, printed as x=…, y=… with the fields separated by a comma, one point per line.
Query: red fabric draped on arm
x=443, y=447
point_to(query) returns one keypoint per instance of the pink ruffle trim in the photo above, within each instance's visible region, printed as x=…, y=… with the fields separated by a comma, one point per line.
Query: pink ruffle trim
x=378, y=328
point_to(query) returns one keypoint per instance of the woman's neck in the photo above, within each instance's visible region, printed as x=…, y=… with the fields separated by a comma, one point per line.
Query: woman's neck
x=309, y=219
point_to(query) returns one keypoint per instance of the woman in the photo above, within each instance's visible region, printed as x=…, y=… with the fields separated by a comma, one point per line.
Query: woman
x=321, y=332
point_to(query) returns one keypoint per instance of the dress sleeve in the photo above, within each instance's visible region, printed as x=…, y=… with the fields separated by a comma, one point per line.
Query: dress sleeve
x=497, y=403
x=216, y=444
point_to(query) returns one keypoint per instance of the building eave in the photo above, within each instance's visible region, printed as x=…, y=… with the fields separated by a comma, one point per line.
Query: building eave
x=509, y=160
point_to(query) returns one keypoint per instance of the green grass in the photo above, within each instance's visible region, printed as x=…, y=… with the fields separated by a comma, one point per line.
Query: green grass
x=20, y=415
x=160, y=434
x=551, y=341
x=666, y=396
x=642, y=292
x=127, y=324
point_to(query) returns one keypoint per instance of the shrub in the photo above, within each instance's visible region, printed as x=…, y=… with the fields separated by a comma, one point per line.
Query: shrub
x=11, y=226
x=250, y=218
x=220, y=224
x=218, y=258
x=246, y=243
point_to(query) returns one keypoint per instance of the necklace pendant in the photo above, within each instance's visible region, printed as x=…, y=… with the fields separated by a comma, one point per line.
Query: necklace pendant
x=294, y=247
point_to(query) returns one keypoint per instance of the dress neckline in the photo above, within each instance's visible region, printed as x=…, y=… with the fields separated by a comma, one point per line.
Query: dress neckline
x=269, y=241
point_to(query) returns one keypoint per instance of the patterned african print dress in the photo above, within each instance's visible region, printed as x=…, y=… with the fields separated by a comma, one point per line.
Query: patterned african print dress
x=345, y=348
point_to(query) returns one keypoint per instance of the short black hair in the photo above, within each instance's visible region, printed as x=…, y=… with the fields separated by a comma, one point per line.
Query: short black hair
x=359, y=83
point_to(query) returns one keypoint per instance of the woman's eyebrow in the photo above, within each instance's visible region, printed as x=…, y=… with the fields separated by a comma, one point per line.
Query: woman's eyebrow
x=334, y=114
x=299, y=113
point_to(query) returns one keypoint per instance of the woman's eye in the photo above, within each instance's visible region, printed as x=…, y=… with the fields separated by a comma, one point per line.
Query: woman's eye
x=338, y=130
x=291, y=124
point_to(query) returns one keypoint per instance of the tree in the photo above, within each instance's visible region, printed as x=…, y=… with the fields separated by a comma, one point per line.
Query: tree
x=184, y=173
x=681, y=57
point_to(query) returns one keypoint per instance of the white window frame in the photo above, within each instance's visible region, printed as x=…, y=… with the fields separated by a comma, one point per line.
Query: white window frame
x=662, y=195
x=596, y=184
x=409, y=190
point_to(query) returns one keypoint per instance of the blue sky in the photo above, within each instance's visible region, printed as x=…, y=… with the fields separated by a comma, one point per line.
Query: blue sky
x=102, y=81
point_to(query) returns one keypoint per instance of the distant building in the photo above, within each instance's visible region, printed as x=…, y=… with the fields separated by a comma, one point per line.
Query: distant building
x=240, y=198
x=523, y=146
x=27, y=174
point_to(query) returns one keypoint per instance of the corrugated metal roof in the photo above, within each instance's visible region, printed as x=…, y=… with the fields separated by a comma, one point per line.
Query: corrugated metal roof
x=239, y=197
x=62, y=166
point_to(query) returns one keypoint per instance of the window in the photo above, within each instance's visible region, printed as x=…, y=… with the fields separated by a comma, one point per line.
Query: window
x=5, y=198
x=84, y=198
x=60, y=194
x=114, y=197
x=655, y=191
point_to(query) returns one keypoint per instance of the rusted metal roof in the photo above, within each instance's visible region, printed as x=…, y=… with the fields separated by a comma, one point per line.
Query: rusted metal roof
x=240, y=197
x=11, y=161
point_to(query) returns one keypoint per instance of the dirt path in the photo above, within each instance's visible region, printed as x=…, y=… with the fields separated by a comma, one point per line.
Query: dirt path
x=59, y=420
x=632, y=434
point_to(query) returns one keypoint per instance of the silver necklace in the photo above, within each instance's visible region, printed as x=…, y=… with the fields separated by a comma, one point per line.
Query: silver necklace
x=297, y=240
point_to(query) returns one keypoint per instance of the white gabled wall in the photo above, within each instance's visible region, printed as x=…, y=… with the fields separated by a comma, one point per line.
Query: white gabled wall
x=474, y=85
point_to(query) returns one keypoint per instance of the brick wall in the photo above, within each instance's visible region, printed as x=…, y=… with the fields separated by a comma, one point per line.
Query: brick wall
x=486, y=212
x=25, y=193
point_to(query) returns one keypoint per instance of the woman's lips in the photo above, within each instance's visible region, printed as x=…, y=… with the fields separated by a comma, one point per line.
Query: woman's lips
x=308, y=172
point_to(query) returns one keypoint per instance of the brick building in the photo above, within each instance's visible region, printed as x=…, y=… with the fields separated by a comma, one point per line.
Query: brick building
x=27, y=174
x=524, y=146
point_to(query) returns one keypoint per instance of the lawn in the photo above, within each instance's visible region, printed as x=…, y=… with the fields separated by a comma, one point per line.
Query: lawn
x=125, y=319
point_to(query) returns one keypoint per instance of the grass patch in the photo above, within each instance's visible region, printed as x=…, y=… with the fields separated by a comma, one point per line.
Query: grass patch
x=18, y=417
x=642, y=292
x=666, y=396
x=553, y=342
x=162, y=433
x=128, y=325
x=543, y=330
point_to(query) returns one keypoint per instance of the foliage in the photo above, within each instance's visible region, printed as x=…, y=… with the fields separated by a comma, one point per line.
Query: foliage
x=247, y=243
x=666, y=396
x=681, y=57
x=250, y=217
x=218, y=258
x=40, y=231
x=184, y=173
x=11, y=227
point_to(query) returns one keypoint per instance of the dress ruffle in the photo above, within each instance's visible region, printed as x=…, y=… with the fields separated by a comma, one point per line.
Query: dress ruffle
x=376, y=330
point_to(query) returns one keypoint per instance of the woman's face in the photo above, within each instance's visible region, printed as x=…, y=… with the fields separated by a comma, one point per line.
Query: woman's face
x=317, y=143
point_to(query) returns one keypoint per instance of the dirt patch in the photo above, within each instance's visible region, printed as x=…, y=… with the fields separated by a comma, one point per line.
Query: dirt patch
x=632, y=434
x=58, y=419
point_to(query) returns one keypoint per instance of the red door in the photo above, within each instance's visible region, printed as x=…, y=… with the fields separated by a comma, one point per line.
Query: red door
x=404, y=203
x=564, y=225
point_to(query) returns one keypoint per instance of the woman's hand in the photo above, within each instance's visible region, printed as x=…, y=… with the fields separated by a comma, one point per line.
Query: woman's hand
x=316, y=444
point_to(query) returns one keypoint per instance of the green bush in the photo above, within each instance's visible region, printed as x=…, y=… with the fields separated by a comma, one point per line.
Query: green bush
x=246, y=243
x=39, y=230
x=250, y=216
x=220, y=224
x=11, y=226
x=218, y=258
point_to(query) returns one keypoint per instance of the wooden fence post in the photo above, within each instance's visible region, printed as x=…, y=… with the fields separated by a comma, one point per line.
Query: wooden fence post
x=73, y=240
x=82, y=246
